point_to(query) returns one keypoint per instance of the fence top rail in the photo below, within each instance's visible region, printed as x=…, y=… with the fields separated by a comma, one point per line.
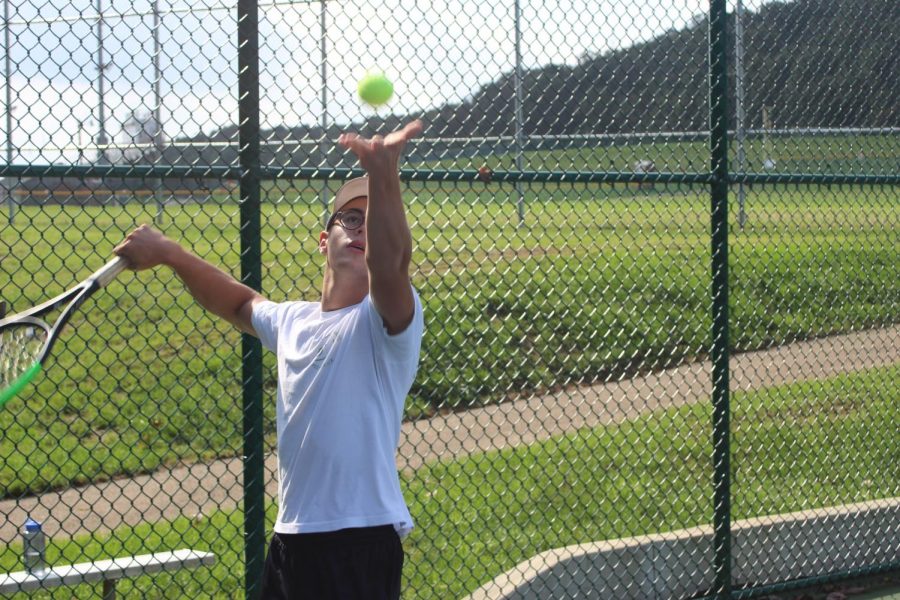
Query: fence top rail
x=110, y=15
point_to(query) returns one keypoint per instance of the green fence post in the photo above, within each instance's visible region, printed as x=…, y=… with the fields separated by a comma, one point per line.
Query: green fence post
x=251, y=273
x=718, y=140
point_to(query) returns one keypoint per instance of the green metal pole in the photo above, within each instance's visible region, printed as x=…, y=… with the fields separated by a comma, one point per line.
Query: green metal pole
x=718, y=141
x=251, y=274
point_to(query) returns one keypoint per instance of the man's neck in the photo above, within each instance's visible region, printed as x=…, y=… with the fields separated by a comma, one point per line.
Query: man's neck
x=341, y=292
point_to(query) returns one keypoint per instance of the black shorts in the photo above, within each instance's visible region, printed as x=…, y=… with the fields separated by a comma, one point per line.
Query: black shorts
x=363, y=563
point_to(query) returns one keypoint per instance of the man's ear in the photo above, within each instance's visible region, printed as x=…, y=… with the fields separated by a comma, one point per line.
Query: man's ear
x=323, y=242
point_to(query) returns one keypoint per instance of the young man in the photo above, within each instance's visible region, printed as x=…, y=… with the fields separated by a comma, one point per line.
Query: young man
x=345, y=365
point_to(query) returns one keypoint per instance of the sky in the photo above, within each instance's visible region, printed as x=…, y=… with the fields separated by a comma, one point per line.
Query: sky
x=434, y=51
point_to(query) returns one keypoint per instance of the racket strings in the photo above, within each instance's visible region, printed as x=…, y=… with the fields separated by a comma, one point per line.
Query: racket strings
x=20, y=347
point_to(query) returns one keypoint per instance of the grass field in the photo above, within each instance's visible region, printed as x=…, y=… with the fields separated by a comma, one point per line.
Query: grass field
x=796, y=447
x=597, y=282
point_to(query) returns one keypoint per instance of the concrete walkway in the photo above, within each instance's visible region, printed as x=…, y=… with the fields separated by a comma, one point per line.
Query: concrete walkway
x=205, y=487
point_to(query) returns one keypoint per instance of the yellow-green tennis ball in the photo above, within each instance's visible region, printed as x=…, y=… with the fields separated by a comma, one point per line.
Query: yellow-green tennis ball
x=375, y=89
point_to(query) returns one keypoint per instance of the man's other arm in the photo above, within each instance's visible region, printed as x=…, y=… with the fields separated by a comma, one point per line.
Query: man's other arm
x=214, y=289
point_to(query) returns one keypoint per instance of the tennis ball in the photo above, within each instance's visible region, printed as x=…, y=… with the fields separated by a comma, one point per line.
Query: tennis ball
x=375, y=88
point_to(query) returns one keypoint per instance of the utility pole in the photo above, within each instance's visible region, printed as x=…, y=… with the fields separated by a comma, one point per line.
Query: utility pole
x=323, y=148
x=768, y=163
x=9, y=108
x=519, y=120
x=101, y=136
x=157, y=133
x=739, y=96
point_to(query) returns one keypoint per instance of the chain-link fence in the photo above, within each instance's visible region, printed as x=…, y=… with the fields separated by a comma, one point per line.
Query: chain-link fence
x=657, y=247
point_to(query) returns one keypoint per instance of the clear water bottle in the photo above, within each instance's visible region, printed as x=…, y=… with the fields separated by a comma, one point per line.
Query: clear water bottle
x=35, y=548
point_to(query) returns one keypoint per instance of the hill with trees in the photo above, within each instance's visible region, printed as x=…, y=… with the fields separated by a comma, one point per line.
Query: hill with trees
x=812, y=63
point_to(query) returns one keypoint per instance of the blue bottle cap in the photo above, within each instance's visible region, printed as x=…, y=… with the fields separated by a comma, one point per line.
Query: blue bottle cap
x=32, y=526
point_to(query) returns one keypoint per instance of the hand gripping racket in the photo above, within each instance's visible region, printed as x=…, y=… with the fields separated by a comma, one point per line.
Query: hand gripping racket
x=26, y=340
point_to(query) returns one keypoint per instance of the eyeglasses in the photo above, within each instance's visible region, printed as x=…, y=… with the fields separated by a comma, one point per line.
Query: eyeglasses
x=348, y=219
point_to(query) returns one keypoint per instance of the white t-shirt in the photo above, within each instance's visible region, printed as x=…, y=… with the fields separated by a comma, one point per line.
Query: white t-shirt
x=342, y=384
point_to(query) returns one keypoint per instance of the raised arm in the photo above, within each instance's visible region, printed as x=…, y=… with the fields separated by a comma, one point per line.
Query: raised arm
x=215, y=290
x=388, y=239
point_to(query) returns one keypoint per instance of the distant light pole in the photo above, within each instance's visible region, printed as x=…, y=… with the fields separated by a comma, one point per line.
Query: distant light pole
x=157, y=110
x=9, y=108
x=323, y=194
x=740, y=116
x=101, y=137
x=519, y=140
x=80, y=142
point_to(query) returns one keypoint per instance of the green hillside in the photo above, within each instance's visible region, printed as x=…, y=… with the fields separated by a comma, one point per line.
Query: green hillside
x=813, y=63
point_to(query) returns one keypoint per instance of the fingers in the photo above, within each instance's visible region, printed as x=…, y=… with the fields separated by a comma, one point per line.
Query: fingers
x=347, y=140
x=353, y=141
x=380, y=153
x=141, y=248
x=137, y=230
x=124, y=250
x=129, y=237
x=412, y=129
x=402, y=136
x=356, y=144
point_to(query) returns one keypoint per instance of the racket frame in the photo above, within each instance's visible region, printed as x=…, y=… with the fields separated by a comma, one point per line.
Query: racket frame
x=75, y=298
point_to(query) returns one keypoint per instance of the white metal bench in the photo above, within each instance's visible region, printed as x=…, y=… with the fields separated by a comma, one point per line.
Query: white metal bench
x=107, y=571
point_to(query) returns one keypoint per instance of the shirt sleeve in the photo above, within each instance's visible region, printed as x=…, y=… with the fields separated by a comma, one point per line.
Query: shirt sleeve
x=266, y=319
x=403, y=346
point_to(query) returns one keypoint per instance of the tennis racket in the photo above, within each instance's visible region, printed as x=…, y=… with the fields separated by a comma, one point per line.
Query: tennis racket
x=26, y=340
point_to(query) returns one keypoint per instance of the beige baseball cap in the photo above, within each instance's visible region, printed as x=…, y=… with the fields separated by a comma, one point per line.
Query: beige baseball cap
x=355, y=188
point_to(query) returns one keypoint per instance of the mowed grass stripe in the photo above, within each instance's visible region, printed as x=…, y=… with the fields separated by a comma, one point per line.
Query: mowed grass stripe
x=598, y=282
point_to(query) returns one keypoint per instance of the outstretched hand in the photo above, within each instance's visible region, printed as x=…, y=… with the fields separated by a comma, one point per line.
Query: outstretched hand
x=145, y=248
x=380, y=153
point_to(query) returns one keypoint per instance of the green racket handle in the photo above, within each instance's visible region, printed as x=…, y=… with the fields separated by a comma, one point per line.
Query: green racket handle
x=20, y=382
